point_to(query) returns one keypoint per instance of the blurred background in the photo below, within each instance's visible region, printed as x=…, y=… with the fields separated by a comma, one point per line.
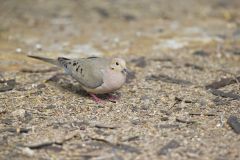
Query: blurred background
x=180, y=100
x=80, y=28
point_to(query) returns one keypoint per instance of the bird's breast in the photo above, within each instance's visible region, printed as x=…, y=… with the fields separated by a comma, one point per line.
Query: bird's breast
x=114, y=80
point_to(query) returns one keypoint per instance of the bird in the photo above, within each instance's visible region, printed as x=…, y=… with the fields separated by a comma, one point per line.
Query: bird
x=96, y=75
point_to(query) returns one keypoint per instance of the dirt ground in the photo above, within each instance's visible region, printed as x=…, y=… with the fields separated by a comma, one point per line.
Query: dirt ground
x=181, y=99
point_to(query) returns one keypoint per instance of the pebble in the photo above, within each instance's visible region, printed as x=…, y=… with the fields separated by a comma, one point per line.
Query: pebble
x=38, y=46
x=234, y=123
x=140, y=62
x=201, y=53
x=7, y=85
x=18, y=50
x=173, y=144
x=19, y=113
x=27, y=151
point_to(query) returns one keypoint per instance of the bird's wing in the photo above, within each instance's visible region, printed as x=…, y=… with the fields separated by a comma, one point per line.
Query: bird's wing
x=87, y=71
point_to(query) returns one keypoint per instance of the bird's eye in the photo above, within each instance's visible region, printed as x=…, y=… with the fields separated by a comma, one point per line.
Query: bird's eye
x=117, y=63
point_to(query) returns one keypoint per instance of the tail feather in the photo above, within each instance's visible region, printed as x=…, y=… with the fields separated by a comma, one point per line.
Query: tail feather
x=63, y=61
x=52, y=61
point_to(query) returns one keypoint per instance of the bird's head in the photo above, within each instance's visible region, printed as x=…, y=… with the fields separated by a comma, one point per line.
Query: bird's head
x=119, y=65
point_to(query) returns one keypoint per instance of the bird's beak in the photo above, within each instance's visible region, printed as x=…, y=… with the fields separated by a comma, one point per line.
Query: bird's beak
x=125, y=70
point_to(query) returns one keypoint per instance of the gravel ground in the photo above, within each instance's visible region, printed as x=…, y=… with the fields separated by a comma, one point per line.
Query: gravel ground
x=181, y=99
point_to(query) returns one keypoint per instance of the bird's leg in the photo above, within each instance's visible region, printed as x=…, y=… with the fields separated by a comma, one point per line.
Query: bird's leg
x=95, y=98
x=112, y=98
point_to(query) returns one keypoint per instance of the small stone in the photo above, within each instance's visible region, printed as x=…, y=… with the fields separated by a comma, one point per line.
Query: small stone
x=38, y=46
x=234, y=123
x=28, y=117
x=140, y=62
x=7, y=121
x=37, y=93
x=18, y=50
x=51, y=106
x=129, y=17
x=164, y=119
x=102, y=12
x=168, y=147
x=40, y=86
x=7, y=85
x=200, y=53
x=144, y=107
x=19, y=113
x=134, y=108
x=236, y=34
x=145, y=97
x=82, y=128
x=237, y=52
x=27, y=151
x=2, y=110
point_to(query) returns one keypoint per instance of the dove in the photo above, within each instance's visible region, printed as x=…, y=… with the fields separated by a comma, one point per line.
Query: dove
x=96, y=75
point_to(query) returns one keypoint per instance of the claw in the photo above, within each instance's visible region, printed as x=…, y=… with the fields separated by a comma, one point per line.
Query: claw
x=112, y=98
x=95, y=98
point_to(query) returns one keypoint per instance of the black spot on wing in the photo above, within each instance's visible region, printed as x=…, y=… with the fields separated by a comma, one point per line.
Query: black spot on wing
x=75, y=63
x=63, y=61
x=77, y=68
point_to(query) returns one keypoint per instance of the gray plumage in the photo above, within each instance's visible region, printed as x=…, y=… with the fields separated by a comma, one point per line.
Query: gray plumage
x=95, y=75
x=87, y=71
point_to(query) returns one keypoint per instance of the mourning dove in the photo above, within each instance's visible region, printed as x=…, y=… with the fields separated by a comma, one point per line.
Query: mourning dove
x=96, y=75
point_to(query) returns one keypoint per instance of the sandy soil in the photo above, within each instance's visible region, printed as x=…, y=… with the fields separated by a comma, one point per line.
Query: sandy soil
x=172, y=106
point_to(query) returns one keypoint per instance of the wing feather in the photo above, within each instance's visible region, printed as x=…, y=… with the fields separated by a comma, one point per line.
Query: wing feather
x=87, y=71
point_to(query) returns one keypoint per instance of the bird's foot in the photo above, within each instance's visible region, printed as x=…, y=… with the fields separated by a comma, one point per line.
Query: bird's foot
x=112, y=98
x=95, y=98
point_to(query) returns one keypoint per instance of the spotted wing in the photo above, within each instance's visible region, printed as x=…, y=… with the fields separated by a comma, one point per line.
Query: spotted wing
x=87, y=71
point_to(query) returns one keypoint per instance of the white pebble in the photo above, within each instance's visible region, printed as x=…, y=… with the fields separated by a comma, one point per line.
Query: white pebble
x=19, y=113
x=18, y=50
x=38, y=46
x=27, y=151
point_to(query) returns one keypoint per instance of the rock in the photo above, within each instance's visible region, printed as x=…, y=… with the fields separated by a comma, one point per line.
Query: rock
x=38, y=47
x=28, y=152
x=169, y=146
x=102, y=12
x=7, y=85
x=140, y=62
x=7, y=121
x=19, y=113
x=40, y=86
x=201, y=53
x=164, y=118
x=18, y=50
x=51, y=106
x=236, y=34
x=193, y=66
x=234, y=123
x=129, y=17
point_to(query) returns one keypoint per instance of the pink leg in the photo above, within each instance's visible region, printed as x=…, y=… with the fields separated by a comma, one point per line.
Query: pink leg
x=95, y=98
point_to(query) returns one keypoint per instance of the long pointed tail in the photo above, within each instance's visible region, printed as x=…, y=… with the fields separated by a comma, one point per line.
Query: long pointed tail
x=52, y=61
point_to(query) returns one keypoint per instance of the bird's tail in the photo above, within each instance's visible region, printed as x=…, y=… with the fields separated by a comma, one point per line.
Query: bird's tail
x=52, y=61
